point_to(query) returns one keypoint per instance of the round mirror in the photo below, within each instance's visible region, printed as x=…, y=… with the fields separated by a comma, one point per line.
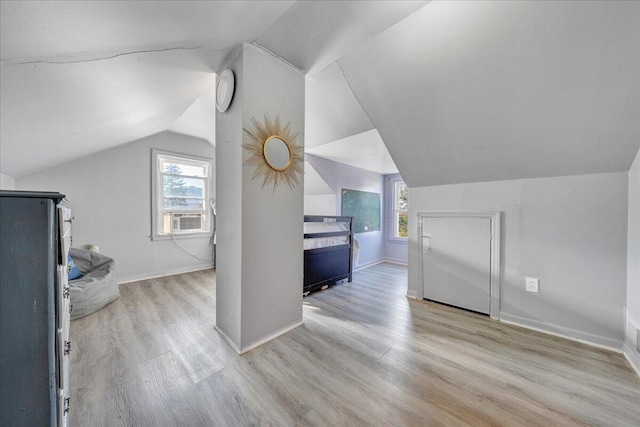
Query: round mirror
x=277, y=153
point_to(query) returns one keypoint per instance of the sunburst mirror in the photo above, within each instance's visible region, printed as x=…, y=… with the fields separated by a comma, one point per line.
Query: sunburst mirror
x=274, y=153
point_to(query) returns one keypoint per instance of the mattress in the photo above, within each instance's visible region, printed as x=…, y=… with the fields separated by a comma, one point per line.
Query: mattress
x=325, y=227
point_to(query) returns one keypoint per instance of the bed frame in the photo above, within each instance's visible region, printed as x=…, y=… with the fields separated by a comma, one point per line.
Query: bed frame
x=325, y=266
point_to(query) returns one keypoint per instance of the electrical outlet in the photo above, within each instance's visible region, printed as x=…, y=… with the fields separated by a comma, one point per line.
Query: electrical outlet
x=531, y=284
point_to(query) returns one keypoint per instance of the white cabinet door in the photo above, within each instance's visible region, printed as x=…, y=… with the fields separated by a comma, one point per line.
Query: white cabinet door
x=456, y=261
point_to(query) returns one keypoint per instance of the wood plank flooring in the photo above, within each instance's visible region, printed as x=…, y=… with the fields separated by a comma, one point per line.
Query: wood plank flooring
x=366, y=355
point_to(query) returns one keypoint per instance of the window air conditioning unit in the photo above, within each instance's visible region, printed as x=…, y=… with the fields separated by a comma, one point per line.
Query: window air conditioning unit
x=186, y=221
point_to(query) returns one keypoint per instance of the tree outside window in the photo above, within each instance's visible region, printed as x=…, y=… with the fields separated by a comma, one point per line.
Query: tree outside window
x=174, y=185
x=401, y=207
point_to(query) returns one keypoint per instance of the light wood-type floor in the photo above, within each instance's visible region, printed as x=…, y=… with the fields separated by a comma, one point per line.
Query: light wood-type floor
x=366, y=355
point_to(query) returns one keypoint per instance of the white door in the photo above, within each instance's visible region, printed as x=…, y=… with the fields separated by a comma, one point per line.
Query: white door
x=456, y=261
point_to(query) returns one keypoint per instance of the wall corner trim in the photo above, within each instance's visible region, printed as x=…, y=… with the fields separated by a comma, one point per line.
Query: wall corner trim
x=227, y=339
x=270, y=337
x=412, y=294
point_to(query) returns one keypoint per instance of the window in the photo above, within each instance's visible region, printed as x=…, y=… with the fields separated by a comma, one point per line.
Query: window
x=181, y=190
x=400, y=210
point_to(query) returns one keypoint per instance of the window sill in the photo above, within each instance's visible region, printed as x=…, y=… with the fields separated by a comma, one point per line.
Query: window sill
x=176, y=236
x=399, y=240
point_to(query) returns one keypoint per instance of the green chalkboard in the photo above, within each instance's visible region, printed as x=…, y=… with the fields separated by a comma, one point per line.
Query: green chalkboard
x=364, y=207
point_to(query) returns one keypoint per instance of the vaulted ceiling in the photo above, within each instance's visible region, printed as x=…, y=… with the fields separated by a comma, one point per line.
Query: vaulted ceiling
x=482, y=91
x=458, y=91
x=81, y=77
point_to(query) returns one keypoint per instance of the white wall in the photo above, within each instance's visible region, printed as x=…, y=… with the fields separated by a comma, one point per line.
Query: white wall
x=633, y=264
x=7, y=182
x=110, y=194
x=320, y=204
x=272, y=230
x=260, y=268
x=319, y=197
x=229, y=208
x=571, y=232
x=324, y=176
x=339, y=176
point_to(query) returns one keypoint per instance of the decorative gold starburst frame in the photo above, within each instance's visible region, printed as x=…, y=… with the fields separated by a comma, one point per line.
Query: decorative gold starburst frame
x=258, y=136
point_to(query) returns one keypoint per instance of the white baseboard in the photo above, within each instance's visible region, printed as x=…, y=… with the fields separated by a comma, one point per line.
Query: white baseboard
x=257, y=343
x=369, y=264
x=632, y=356
x=227, y=339
x=563, y=332
x=270, y=337
x=396, y=261
x=378, y=261
x=171, y=272
x=412, y=294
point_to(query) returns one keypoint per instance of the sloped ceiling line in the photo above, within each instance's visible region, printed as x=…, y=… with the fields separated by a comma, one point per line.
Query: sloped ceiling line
x=331, y=109
x=355, y=95
x=284, y=61
x=353, y=92
x=312, y=34
x=105, y=58
x=352, y=138
x=314, y=183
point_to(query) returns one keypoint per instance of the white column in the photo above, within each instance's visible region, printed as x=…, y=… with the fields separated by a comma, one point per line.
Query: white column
x=259, y=240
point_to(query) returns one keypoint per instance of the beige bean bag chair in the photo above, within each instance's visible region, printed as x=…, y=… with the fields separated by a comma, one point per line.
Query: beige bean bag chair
x=97, y=287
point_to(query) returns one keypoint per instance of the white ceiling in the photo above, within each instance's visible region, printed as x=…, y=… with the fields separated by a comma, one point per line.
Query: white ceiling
x=314, y=184
x=481, y=91
x=81, y=30
x=80, y=77
x=312, y=34
x=365, y=150
x=199, y=119
x=52, y=113
x=458, y=91
x=332, y=112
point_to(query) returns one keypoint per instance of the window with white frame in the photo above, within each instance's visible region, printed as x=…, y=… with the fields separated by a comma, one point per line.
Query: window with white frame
x=400, y=210
x=182, y=190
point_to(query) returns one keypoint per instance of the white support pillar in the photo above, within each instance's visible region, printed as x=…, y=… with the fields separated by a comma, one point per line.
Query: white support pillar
x=259, y=236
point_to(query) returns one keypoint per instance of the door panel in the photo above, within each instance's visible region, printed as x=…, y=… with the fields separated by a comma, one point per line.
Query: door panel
x=456, y=261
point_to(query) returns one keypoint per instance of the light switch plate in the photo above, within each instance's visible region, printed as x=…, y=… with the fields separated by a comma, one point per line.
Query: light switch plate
x=531, y=284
